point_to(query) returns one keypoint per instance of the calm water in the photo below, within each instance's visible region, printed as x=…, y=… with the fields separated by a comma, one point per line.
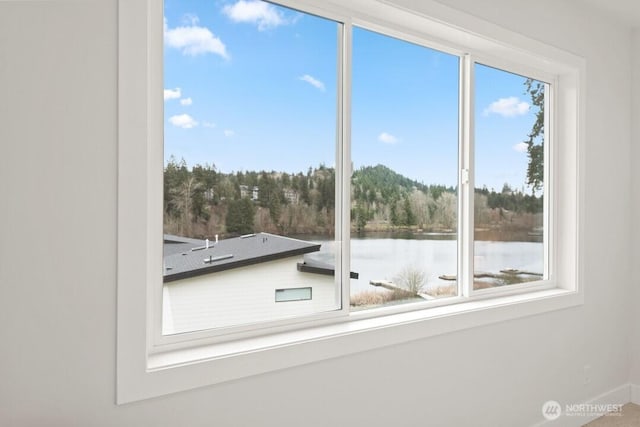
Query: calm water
x=377, y=258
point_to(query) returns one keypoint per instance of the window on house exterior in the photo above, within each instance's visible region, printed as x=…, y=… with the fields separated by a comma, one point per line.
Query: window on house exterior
x=294, y=294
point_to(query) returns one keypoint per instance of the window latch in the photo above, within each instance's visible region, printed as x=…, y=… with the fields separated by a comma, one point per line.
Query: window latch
x=464, y=176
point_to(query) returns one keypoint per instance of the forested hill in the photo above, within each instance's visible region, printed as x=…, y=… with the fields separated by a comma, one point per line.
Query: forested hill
x=369, y=180
x=383, y=178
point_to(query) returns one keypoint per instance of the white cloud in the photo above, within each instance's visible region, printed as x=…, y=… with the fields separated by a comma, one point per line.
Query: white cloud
x=208, y=124
x=387, y=138
x=256, y=12
x=194, y=40
x=521, y=147
x=183, y=121
x=229, y=133
x=312, y=81
x=508, y=107
x=186, y=101
x=172, y=93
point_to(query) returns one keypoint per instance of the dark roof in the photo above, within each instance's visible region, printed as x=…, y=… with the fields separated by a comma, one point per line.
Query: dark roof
x=318, y=267
x=184, y=257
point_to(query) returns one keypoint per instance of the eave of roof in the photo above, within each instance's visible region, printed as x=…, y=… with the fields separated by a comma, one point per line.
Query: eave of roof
x=317, y=267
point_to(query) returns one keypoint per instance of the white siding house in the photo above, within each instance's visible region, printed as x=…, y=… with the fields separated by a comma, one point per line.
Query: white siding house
x=234, y=281
x=242, y=296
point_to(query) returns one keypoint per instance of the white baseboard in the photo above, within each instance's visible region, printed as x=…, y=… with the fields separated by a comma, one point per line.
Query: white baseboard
x=635, y=393
x=621, y=395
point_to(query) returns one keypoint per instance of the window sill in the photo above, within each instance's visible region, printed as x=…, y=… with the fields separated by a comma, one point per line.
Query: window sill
x=183, y=369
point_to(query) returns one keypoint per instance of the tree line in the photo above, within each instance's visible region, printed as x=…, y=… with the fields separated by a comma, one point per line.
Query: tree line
x=201, y=201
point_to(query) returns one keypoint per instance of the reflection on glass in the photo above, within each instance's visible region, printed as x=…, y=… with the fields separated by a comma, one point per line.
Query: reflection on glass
x=404, y=183
x=249, y=179
x=509, y=164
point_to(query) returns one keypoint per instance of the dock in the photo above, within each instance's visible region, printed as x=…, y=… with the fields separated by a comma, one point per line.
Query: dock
x=485, y=275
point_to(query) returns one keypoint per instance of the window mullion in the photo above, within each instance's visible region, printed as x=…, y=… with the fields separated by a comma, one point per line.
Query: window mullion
x=155, y=171
x=343, y=163
x=465, y=180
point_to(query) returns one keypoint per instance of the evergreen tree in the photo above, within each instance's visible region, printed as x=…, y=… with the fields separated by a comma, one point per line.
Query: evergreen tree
x=409, y=216
x=240, y=214
x=535, y=139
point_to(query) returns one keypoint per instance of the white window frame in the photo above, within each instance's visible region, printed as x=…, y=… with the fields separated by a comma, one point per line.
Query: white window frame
x=150, y=365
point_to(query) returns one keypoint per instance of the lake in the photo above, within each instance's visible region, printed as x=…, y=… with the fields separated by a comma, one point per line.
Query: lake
x=383, y=256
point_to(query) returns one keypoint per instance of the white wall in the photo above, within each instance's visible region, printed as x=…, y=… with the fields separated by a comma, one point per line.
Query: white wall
x=635, y=191
x=58, y=262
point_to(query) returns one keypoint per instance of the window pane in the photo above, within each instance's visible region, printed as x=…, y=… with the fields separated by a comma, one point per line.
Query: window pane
x=509, y=164
x=404, y=184
x=250, y=143
x=293, y=294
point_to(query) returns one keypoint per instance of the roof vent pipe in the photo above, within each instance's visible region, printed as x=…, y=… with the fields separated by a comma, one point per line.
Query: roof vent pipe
x=216, y=238
x=206, y=244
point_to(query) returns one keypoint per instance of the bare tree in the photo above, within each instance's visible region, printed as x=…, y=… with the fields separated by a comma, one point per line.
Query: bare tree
x=412, y=279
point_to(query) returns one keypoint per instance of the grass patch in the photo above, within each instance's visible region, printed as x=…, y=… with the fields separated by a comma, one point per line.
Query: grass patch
x=443, y=291
x=375, y=298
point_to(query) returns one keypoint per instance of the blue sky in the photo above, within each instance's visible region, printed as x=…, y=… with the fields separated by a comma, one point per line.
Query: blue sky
x=252, y=86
